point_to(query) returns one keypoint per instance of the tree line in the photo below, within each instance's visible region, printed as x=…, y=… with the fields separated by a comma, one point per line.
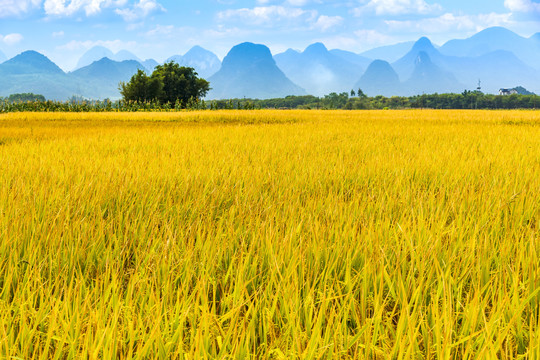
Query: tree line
x=24, y=97
x=329, y=102
x=343, y=101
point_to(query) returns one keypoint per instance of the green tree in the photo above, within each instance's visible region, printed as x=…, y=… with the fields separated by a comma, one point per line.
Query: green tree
x=141, y=88
x=179, y=83
x=25, y=97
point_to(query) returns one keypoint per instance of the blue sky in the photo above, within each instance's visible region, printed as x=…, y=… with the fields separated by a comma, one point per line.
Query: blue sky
x=64, y=29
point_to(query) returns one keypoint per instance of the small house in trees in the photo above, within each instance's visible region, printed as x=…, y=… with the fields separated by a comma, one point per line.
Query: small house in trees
x=505, y=92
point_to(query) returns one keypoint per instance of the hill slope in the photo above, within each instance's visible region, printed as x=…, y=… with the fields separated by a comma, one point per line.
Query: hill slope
x=150, y=64
x=34, y=72
x=29, y=62
x=428, y=78
x=102, y=77
x=406, y=64
x=94, y=54
x=99, y=52
x=205, y=62
x=493, y=39
x=249, y=71
x=361, y=61
x=319, y=71
x=124, y=55
x=389, y=53
x=495, y=69
x=379, y=79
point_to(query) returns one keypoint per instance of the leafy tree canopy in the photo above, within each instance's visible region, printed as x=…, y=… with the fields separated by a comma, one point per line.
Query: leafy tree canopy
x=25, y=97
x=169, y=83
x=141, y=88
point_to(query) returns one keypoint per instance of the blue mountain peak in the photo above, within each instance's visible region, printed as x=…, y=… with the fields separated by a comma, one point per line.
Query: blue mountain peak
x=317, y=48
x=423, y=44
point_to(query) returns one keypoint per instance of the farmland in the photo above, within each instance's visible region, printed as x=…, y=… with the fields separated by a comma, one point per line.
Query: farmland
x=270, y=234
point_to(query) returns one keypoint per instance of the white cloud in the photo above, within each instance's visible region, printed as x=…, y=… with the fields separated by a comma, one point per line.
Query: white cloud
x=113, y=45
x=358, y=41
x=66, y=8
x=223, y=33
x=58, y=34
x=449, y=22
x=135, y=26
x=298, y=2
x=128, y=14
x=140, y=10
x=397, y=7
x=371, y=37
x=161, y=30
x=325, y=23
x=17, y=7
x=525, y=6
x=267, y=15
x=11, y=39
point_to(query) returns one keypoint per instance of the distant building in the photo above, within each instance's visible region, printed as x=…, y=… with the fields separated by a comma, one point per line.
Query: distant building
x=507, y=92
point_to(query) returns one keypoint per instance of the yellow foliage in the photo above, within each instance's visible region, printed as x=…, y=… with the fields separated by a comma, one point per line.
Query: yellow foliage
x=270, y=234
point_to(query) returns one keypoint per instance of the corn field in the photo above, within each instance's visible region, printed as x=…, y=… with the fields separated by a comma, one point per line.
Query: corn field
x=122, y=106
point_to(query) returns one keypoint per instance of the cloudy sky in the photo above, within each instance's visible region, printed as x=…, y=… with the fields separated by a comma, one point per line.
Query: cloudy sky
x=65, y=29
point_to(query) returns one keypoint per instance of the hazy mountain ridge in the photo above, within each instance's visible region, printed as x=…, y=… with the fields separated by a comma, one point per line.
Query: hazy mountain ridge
x=353, y=58
x=320, y=70
x=405, y=66
x=389, y=53
x=252, y=71
x=249, y=70
x=205, y=62
x=124, y=55
x=429, y=78
x=494, y=39
x=102, y=77
x=99, y=52
x=379, y=79
x=34, y=72
x=94, y=54
x=495, y=69
x=29, y=62
x=150, y=64
x=31, y=71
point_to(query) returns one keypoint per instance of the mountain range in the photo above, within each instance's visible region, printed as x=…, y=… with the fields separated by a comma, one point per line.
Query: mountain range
x=389, y=53
x=526, y=49
x=336, y=71
x=494, y=69
x=34, y=72
x=102, y=77
x=496, y=57
x=99, y=52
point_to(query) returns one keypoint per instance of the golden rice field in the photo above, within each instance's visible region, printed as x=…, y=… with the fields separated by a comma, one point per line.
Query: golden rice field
x=270, y=235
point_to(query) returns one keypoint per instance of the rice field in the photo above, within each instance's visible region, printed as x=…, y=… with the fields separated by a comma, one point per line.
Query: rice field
x=270, y=235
